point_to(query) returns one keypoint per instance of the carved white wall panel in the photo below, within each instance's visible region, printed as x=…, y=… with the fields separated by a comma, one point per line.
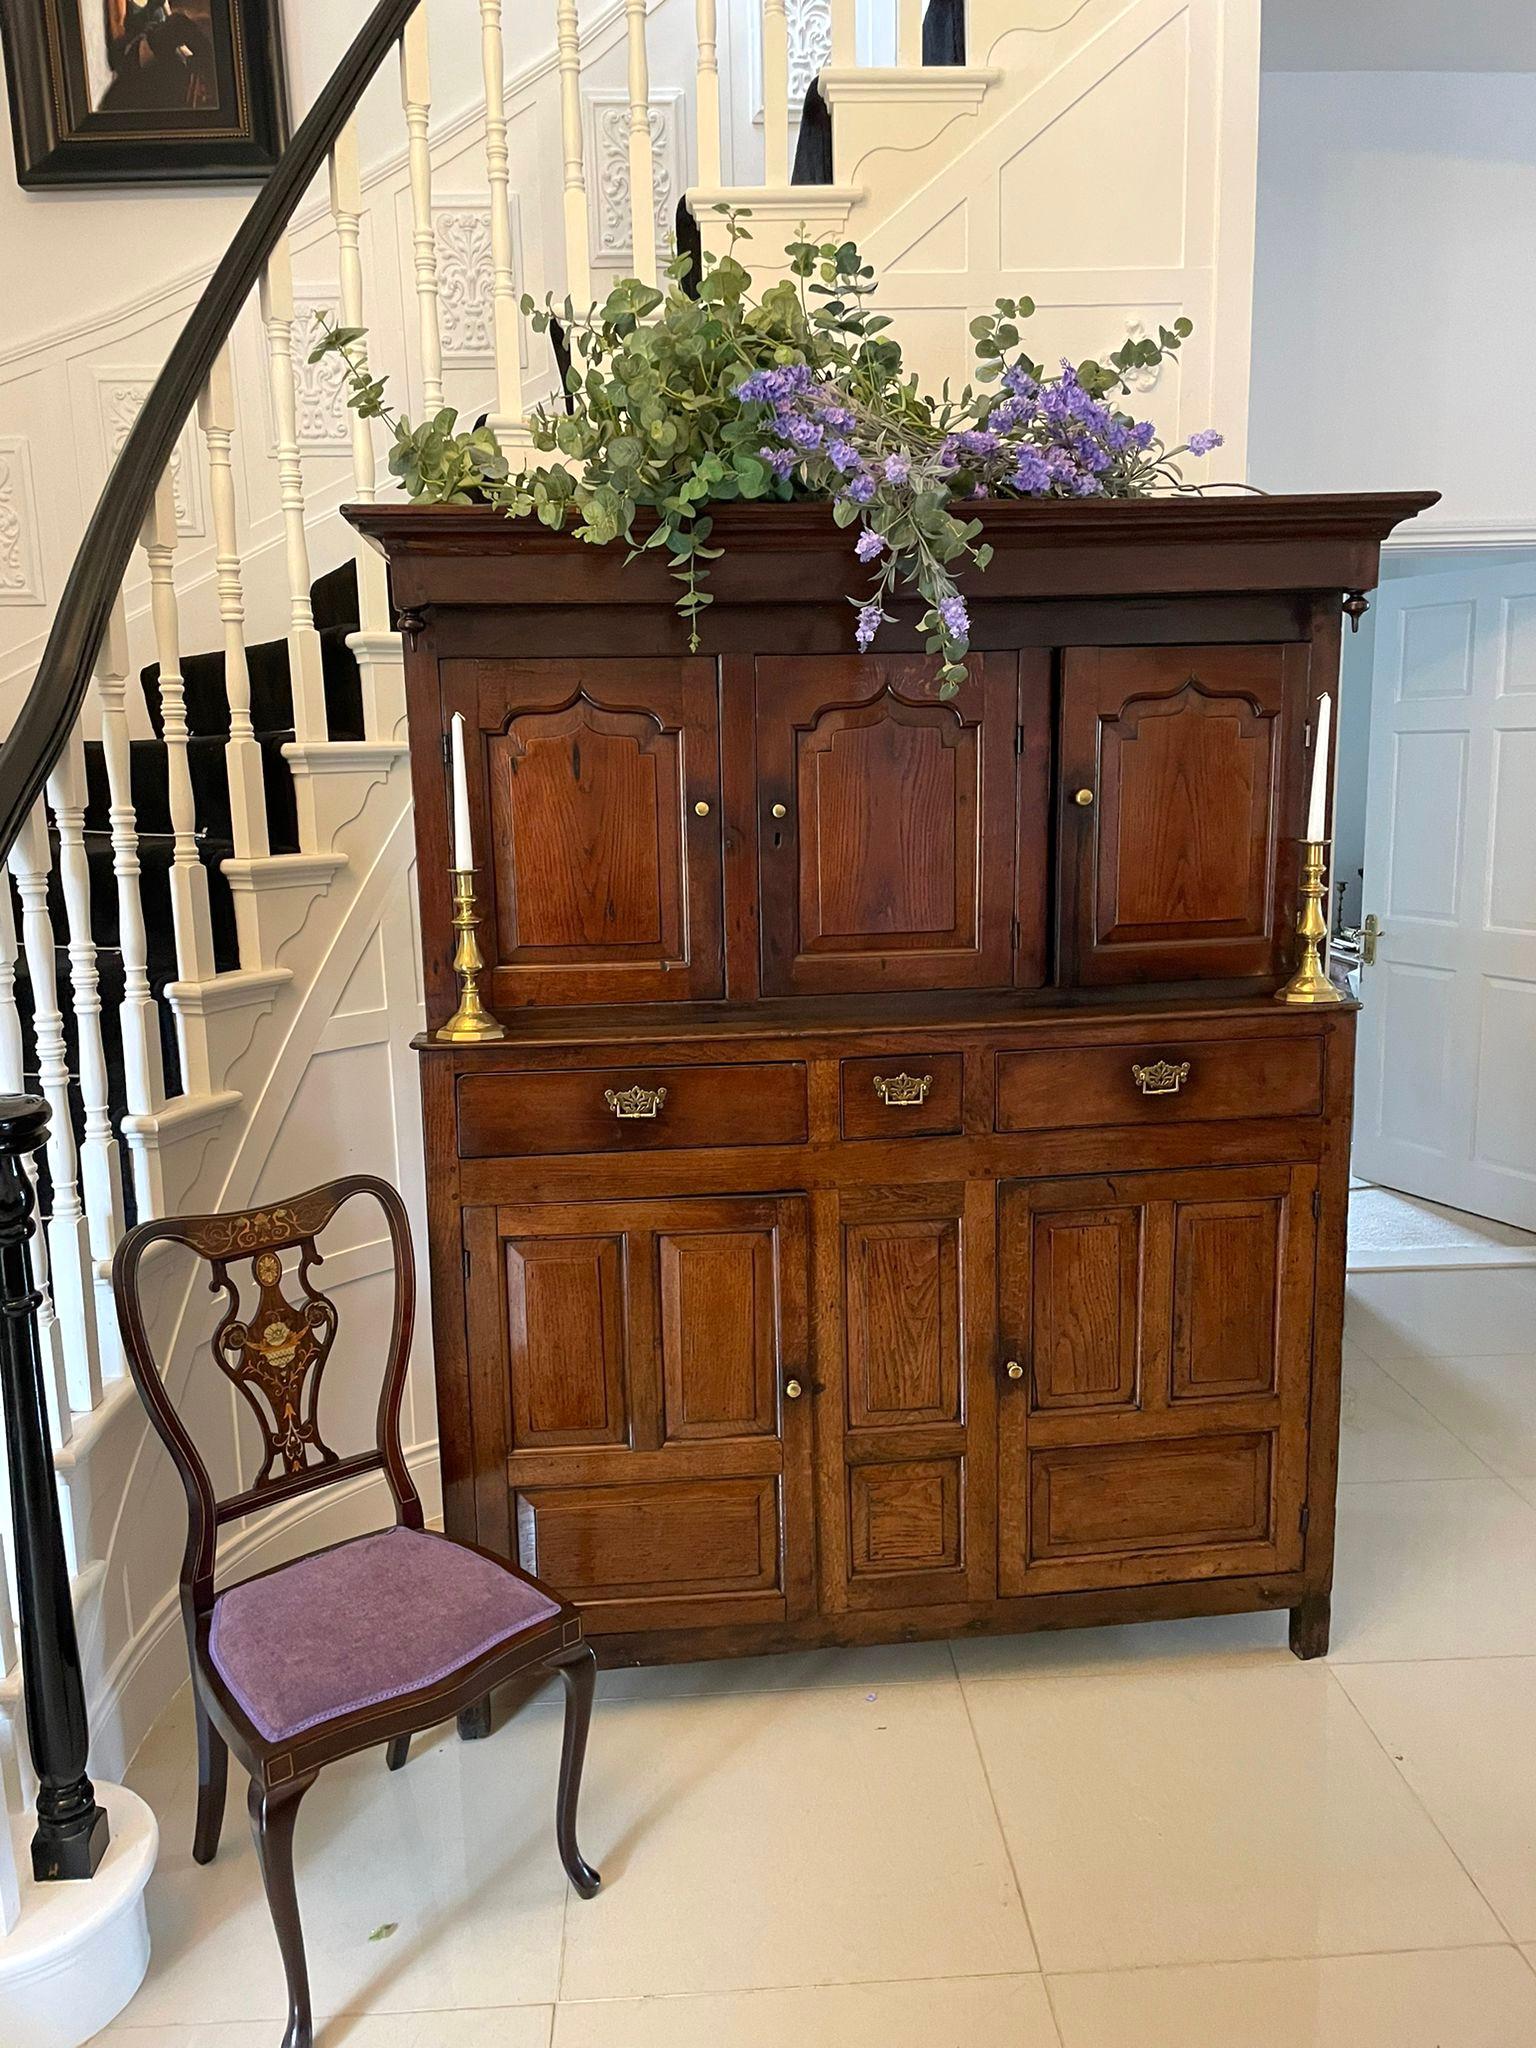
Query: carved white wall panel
x=466, y=280
x=21, y=567
x=325, y=427
x=810, y=47
x=607, y=138
x=120, y=398
x=1138, y=329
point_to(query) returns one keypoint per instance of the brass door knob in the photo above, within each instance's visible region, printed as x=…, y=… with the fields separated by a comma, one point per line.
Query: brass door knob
x=1083, y=797
x=793, y=1390
x=781, y=810
x=701, y=809
x=1014, y=1370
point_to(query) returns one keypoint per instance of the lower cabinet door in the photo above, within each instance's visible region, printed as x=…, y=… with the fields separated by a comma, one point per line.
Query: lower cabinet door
x=1158, y=1428
x=640, y=1376
x=904, y=1400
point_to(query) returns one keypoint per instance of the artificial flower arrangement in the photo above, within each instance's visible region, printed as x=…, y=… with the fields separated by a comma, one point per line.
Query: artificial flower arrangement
x=702, y=394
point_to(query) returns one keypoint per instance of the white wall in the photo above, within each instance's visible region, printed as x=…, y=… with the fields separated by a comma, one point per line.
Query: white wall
x=1395, y=290
x=113, y=247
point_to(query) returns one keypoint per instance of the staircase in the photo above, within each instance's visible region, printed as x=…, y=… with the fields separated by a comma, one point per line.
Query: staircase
x=210, y=877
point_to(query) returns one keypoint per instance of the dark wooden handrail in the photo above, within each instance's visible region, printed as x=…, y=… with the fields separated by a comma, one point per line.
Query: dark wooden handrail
x=45, y=720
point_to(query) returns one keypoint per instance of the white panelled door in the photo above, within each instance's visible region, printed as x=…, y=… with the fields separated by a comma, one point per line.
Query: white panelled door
x=1446, y=1104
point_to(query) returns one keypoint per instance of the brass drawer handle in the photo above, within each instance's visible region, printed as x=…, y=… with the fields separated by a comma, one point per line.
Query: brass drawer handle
x=628, y=1103
x=1161, y=1078
x=1083, y=798
x=903, y=1091
x=1014, y=1370
x=793, y=1390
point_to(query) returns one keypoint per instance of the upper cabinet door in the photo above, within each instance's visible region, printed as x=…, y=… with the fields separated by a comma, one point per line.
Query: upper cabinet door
x=887, y=827
x=1180, y=787
x=595, y=788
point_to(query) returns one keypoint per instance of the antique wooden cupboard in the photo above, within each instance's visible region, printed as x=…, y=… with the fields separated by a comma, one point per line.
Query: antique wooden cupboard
x=899, y=1206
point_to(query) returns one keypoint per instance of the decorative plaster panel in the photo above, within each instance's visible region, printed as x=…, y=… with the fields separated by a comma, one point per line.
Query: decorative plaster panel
x=325, y=427
x=810, y=48
x=120, y=397
x=21, y=568
x=607, y=117
x=466, y=280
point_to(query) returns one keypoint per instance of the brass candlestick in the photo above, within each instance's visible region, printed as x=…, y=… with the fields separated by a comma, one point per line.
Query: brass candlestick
x=1310, y=984
x=471, y=1023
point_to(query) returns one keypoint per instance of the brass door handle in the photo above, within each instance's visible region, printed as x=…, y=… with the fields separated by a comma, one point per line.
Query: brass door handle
x=793, y=1390
x=1083, y=798
x=1370, y=932
x=701, y=809
x=1014, y=1370
x=903, y=1091
x=1163, y=1077
x=780, y=810
x=630, y=1103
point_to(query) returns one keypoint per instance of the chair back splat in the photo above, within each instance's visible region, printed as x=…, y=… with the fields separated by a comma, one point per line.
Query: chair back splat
x=273, y=1344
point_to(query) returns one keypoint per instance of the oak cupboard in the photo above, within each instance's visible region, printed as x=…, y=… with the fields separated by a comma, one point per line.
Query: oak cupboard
x=899, y=1206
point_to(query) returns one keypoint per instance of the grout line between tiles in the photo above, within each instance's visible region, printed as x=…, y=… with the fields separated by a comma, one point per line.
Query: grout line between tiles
x=1413, y=1792
x=1343, y=1955
x=1002, y=1833
x=1441, y=1423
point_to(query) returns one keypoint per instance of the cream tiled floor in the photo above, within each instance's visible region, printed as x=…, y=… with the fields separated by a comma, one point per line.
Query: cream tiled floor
x=1166, y=1837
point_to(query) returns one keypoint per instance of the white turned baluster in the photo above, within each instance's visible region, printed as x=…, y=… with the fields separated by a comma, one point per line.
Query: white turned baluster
x=50, y=1337
x=845, y=31
x=100, y=1169
x=707, y=93
x=374, y=644
x=909, y=32
x=247, y=795
x=578, y=265
x=416, y=98
x=306, y=670
x=69, y=1245
x=642, y=158
x=506, y=422
x=775, y=93
x=191, y=923
x=143, y=1062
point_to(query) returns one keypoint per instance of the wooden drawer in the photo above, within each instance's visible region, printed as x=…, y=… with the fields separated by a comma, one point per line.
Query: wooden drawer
x=630, y=1109
x=1159, y=1080
x=917, y=1096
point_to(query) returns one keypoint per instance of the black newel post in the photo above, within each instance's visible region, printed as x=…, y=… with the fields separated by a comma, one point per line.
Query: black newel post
x=71, y=1836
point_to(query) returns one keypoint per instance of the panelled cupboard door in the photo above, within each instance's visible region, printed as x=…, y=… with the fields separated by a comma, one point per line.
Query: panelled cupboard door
x=1158, y=1429
x=890, y=821
x=595, y=799
x=902, y=1430
x=1177, y=811
x=640, y=1374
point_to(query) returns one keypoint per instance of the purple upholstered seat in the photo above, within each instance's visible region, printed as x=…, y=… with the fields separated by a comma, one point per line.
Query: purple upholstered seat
x=368, y=1621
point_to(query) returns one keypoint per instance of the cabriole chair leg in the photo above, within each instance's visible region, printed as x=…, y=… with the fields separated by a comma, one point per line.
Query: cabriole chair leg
x=212, y=1783
x=580, y=1675
x=273, y=1813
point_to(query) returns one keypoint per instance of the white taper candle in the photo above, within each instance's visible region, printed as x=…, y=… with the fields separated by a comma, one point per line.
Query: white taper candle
x=463, y=844
x=1317, y=809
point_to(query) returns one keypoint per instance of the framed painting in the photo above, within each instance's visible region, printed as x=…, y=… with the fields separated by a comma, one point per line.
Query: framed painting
x=121, y=92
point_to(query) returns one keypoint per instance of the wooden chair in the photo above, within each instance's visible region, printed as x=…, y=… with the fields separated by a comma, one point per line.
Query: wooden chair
x=366, y=1642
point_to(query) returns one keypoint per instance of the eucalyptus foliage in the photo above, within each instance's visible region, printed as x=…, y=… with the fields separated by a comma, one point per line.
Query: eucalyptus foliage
x=679, y=401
